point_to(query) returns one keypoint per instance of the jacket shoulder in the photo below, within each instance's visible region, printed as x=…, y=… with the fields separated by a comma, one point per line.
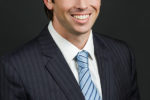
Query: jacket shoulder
x=111, y=42
x=118, y=48
x=24, y=51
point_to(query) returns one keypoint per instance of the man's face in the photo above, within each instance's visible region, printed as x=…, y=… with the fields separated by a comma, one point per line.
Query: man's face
x=75, y=16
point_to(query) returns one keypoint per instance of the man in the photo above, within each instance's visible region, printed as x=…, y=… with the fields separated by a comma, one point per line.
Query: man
x=67, y=61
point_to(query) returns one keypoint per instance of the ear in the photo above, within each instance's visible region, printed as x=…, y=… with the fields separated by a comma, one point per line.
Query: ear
x=48, y=4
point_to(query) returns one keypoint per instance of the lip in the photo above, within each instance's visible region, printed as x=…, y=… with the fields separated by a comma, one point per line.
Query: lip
x=81, y=21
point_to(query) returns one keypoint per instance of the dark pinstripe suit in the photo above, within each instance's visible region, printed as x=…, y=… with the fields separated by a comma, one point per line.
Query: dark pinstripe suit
x=38, y=71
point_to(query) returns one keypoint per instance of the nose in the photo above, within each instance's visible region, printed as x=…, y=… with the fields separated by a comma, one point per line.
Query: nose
x=82, y=4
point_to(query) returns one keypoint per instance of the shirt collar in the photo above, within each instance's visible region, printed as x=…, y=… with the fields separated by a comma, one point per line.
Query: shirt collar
x=69, y=50
x=89, y=47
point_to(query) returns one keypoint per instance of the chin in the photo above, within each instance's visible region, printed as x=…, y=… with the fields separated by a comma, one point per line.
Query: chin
x=79, y=32
x=83, y=30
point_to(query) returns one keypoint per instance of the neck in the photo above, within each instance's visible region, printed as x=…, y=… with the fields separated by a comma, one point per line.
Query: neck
x=76, y=38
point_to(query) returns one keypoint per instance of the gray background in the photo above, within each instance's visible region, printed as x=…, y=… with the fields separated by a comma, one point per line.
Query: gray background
x=128, y=20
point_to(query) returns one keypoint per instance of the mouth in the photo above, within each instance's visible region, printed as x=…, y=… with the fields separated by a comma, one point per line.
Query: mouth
x=81, y=18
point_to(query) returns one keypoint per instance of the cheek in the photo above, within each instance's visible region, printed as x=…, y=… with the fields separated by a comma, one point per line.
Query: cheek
x=95, y=3
x=65, y=5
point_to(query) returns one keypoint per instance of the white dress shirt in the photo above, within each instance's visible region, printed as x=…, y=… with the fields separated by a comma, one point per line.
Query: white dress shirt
x=69, y=52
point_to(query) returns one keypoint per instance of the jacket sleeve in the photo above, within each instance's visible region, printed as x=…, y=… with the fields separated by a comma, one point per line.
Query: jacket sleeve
x=134, y=92
x=10, y=84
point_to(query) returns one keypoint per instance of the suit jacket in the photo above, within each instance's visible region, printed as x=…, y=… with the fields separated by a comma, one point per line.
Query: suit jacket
x=38, y=71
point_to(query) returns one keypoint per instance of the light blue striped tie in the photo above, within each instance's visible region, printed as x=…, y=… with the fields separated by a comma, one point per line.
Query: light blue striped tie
x=86, y=84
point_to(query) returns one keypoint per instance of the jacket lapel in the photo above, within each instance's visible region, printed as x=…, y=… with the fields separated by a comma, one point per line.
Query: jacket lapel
x=58, y=67
x=102, y=56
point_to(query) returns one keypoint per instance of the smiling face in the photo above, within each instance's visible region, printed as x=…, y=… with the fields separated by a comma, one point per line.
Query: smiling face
x=73, y=16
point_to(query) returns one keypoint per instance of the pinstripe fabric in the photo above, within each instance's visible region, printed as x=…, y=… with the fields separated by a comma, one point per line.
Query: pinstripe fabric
x=86, y=84
x=32, y=72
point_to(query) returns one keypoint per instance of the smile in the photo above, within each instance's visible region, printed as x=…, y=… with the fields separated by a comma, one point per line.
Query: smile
x=81, y=17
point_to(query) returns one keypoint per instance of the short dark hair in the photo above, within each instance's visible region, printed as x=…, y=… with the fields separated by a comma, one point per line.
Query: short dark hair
x=48, y=12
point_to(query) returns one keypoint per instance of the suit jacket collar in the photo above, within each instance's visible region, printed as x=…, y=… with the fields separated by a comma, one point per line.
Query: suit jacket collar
x=59, y=69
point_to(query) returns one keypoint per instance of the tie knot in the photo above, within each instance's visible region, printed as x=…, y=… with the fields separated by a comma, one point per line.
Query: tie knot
x=82, y=53
x=82, y=59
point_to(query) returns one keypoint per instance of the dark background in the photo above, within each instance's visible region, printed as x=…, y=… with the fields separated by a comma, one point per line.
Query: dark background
x=128, y=20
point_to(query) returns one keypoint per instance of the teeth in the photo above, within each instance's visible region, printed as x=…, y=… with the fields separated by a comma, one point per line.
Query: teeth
x=81, y=16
